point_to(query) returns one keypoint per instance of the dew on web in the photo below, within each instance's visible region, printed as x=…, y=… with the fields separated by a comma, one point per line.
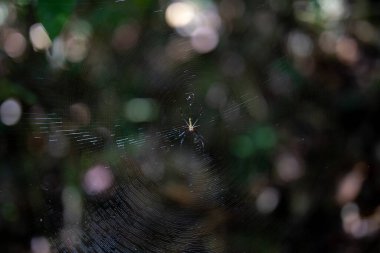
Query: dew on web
x=190, y=97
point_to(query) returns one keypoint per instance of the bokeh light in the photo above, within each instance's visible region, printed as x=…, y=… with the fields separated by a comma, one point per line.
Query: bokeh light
x=14, y=44
x=56, y=55
x=40, y=245
x=350, y=216
x=333, y=9
x=327, y=42
x=141, y=110
x=70, y=237
x=77, y=41
x=76, y=48
x=347, y=50
x=288, y=167
x=350, y=185
x=179, y=14
x=10, y=112
x=300, y=44
x=80, y=114
x=125, y=37
x=267, y=200
x=365, y=31
x=97, y=179
x=200, y=21
x=39, y=37
x=204, y=39
x=357, y=226
x=72, y=206
x=96, y=156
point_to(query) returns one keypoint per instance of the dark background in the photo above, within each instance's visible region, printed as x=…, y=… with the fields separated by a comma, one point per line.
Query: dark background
x=286, y=153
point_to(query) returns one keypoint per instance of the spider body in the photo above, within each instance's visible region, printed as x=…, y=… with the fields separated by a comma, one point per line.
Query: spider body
x=190, y=128
x=190, y=125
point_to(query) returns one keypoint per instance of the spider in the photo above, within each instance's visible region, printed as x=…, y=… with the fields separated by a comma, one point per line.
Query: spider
x=190, y=128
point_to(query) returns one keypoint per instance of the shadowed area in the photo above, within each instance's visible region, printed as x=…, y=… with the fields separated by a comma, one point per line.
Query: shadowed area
x=189, y=126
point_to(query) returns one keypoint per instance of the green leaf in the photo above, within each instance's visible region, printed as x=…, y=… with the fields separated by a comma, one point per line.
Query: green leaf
x=54, y=14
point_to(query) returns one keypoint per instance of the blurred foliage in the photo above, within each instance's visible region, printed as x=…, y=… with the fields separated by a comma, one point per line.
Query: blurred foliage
x=54, y=15
x=287, y=102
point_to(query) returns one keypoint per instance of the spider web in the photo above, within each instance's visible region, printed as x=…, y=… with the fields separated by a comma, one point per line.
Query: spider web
x=165, y=197
x=133, y=216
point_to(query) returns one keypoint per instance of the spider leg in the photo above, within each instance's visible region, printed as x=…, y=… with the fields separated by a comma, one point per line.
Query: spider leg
x=183, y=134
x=183, y=117
x=200, y=138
